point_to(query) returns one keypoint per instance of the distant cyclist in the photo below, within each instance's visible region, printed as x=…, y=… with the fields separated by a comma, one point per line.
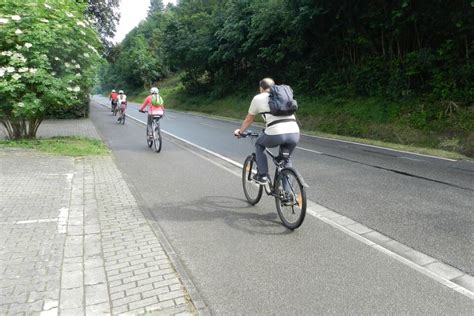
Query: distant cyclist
x=113, y=97
x=280, y=131
x=122, y=101
x=156, y=104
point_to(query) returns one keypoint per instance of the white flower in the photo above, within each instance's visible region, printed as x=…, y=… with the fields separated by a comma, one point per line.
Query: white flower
x=18, y=32
x=73, y=61
x=16, y=18
x=67, y=42
x=83, y=33
x=44, y=20
x=69, y=89
x=33, y=70
x=23, y=69
x=7, y=53
x=16, y=76
x=56, y=58
x=86, y=55
x=47, y=6
x=67, y=65
x=10, y=69
x=69, y=15
x=28, y=45
x=19, y=57
x=20, y=104
x=3, y=21
x=78, y=75
x=80, y=23
x=76, y=89
x=18, y=47
x=53, y=73
x=2, y=71
x=78, y=66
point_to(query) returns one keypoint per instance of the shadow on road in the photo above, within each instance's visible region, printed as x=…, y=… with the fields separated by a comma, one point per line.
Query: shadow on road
x=234, y=212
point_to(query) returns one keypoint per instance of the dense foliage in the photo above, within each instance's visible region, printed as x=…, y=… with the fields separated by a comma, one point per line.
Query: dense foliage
x=48, y=56
x=363, y=47
x=415, y=52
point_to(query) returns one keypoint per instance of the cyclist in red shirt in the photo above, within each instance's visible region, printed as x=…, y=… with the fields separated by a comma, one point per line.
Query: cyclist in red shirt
x=113, y=97
x=156, y=104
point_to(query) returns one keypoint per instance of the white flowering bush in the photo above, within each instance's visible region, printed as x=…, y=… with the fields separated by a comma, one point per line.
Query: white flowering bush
x=48, y=57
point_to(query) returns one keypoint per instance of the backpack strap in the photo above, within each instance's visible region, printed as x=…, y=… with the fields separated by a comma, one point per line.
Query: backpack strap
x=280, y=121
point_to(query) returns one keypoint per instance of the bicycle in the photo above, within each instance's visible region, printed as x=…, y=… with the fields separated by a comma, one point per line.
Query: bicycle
x=288, y=187
x=122, y=115
x=154, y=138
x=114, y=108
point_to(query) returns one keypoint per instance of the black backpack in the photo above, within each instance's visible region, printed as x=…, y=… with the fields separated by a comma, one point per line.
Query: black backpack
x=281, y=101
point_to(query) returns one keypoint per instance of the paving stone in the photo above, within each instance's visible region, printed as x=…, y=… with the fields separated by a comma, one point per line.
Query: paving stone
x=94, y=276
x=71, y=298
x=446, y=271
x=92, y=239
x=96, y=294
x=396, y=247
x=418, y=257
x=170, y=295
x=466, y=281
x=99, y=309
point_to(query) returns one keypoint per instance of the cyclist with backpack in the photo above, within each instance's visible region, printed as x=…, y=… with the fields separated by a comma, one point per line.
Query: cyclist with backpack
x=277, y=107
x=122, y=101
x=157, y=107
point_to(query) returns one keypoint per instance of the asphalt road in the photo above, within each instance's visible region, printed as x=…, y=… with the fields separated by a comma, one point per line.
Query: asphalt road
x=426, y=203
x=243, y=261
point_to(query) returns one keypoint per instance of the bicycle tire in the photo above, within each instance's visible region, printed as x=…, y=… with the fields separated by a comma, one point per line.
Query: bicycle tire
x=252, y=194
x=157, y=138
x=293, y=196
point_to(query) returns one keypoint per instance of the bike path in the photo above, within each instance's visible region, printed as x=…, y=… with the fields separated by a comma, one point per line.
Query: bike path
x=242, y=260
x=423, y=202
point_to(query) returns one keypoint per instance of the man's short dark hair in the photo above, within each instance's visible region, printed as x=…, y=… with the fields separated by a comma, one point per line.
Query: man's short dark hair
x=266, y=83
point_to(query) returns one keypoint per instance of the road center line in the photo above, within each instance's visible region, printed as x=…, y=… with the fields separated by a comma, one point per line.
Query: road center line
x=360, y=232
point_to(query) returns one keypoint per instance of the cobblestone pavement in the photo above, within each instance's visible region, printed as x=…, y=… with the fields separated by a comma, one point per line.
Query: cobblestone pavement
x=74, y=242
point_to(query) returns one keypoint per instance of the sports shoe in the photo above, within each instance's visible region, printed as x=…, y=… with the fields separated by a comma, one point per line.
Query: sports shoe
x=260, y=178
x=119, y=119
x=288, y=199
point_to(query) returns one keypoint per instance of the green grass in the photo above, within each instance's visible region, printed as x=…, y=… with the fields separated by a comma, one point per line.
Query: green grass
x=65, y=146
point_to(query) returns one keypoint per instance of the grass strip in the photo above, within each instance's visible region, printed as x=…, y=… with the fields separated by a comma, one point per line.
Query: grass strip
x=64, y=146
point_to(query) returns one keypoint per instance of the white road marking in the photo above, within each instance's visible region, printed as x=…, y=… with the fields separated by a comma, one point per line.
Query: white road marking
x=310, y=150
x=318, y=211
x=62, y=220
x=205, y=124
x=37, y=221
x=408, y=158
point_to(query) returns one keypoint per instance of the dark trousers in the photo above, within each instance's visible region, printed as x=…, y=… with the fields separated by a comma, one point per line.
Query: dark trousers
x=286, y=141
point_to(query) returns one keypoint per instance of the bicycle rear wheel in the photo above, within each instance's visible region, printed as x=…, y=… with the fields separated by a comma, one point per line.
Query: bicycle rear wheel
x=252, y=190
x=290, y=198
x=157, y=138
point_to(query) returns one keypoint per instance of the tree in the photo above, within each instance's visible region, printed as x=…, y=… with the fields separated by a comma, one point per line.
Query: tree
x=105, y=15
x=38, y=75
x=155, y=7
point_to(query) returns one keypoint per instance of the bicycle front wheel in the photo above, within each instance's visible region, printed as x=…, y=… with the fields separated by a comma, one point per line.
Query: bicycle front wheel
x=252, y=190
x=290, y=198
x=157, y=138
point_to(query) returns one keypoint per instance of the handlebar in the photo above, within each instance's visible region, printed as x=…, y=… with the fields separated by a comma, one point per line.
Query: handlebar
x=248, y=133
